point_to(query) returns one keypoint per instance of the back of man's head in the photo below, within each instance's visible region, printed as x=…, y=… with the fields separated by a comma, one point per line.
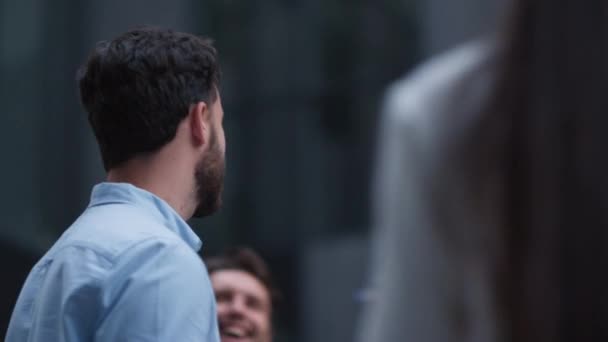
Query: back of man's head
x=138, y=87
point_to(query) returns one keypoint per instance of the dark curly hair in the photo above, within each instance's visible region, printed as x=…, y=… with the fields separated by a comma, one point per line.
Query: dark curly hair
x=139, y=86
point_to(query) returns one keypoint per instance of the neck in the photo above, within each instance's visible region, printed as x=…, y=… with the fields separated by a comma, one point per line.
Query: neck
x=166, y=180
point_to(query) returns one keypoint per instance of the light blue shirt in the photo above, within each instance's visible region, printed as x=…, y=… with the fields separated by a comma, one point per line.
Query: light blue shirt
x=126, y=270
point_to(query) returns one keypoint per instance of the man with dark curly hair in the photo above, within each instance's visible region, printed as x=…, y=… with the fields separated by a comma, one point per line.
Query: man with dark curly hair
x=128, y=269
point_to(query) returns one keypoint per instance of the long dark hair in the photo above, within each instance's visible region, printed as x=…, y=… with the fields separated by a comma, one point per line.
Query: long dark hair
x=545, y=131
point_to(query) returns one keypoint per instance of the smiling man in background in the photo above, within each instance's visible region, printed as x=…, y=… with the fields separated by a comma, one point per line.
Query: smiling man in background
x=245, y=295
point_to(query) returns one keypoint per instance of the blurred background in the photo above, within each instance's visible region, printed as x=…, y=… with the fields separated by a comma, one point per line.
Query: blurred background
x=302, y=91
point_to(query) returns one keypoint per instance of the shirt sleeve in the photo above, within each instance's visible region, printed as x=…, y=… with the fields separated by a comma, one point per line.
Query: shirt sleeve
x=64, y=292
x=159, y=292
x=409, y=299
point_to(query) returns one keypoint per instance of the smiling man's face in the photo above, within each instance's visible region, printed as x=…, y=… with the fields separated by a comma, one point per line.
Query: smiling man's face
x=243, y=306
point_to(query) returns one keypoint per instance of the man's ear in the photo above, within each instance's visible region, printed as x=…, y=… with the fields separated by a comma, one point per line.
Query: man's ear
x=199, y=123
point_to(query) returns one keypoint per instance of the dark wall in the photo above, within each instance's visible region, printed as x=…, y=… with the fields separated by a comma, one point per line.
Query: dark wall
x=16, y=265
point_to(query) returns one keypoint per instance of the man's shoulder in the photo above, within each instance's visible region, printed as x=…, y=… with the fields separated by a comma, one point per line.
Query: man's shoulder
x=432, y=86
x=115, y=229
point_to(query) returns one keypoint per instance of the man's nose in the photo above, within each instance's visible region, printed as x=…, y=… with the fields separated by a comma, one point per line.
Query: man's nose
x=237, y=306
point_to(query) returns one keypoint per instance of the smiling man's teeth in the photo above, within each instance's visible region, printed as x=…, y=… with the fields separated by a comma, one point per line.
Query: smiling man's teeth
x=234, y=332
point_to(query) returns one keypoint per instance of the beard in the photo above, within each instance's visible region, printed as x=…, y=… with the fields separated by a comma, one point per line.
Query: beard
x=209, y=177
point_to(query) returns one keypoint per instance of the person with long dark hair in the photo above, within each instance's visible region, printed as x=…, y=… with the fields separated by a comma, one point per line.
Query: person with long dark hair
x=491, y=208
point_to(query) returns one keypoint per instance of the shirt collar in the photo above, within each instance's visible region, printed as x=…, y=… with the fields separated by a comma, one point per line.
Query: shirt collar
x=107, y=193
